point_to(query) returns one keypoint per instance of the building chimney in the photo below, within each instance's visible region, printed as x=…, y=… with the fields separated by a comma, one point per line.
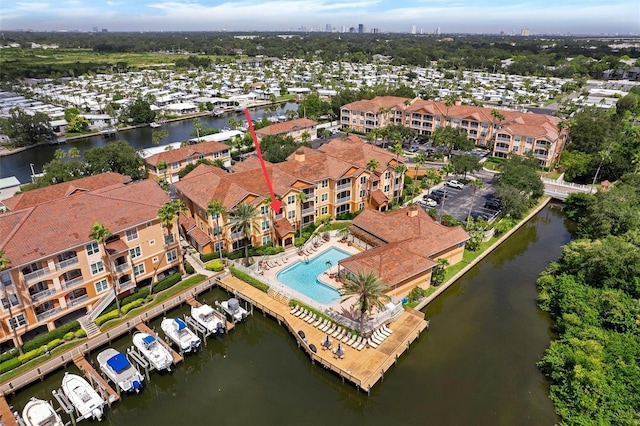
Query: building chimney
x=412, y=211
x=458, y=102
x=299, y=155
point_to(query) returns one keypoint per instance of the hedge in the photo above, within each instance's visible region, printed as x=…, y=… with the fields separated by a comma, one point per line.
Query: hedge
x=188, y=268
x=129, y=306
x=10, y=354
x=167, y=282
x=106, y=317
x=9, y=365
x=215, y=266
x=70, y=335
x=266, y=250
x=81, y=333
x=249, y=279
x=44, y=339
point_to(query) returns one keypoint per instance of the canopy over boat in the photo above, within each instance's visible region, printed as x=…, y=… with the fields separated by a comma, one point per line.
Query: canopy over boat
x=118, y=363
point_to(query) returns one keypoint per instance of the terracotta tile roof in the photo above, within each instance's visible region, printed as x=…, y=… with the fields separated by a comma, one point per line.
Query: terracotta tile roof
x=185, y=152
x=186, y=222
x=199, y=236
x=283, y=227
x=378, y=197
x=65, y=223
x=249, y=163
x=374, y=105
x=286, y=127
x=314, y=165
x=116, y=246
x=353, y=150
x=66, y=189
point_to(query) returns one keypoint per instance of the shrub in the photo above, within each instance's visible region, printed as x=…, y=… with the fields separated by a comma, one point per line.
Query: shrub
x=132, y=305
x=215, y=266
x=188, y=268
x=69, y=336
x=167, y=282
x=54, y=343
x=57, y=333
x=81, y=333
x=210, y=256
x=416, y=294
x=139, y=294
x=9, y=364
x=28, y=356
x=106, y=317
x=10, y=354
x=249, y=279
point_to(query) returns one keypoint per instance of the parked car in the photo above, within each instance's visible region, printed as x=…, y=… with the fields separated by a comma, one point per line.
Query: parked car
x=476, y=215
x=430, y=202
x=493, y=204
x=455, y=184
x=413, y=149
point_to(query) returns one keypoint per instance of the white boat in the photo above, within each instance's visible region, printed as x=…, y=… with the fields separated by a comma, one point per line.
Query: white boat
x=205, y=316
x=159, y=356
x=83, y=396
x=176, y=330
x=154, y=125
x=39, y=412
x=233, y=308
x=118, y=368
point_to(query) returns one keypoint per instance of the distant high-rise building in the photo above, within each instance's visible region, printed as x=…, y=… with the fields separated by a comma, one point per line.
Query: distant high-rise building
x=327, y=28
x=413, y=29
x=352, y=30
x=524, y=32
x=438, y=31
x=95, y=29
x=344, y=29
x=104, y=30
x=375, y=30
x=360, y=28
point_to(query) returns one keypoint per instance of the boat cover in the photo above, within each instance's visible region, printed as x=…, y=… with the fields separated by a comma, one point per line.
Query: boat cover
x=148, y=340
x=181, y=324
x=118, y=363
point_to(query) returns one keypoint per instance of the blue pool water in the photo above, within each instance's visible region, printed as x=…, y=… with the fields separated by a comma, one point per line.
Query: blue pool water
x=303, y=277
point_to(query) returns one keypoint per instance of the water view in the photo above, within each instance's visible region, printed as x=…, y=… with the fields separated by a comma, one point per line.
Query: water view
x=476, y=364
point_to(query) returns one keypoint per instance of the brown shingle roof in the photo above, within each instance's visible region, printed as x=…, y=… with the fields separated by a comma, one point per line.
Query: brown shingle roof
x=199, y=236
x=354, y=150
x=283, y=227
x=185, y=152
x=66, y=189
x=374, y=105
x=286, y=127
x=65, y=223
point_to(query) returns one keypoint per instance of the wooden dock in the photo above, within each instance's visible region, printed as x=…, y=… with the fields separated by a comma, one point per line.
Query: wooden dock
x=362, y=368
x=145, y=329
x=6, y=415
x=92, y=376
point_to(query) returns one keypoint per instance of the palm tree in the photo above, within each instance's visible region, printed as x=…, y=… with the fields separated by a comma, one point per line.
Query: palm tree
x=369, y=291
x=497, y=116
x=216, y=209
x=305, y=137
x=448, y=168
x=420, y=160
x=243, y=219
x=400, y=169
x=438, y=271
x=301, y=197
x=74, y=152
x=372, y=165
x=4, y=265
x=476, y=184
x=397, y=149
x=167, y=215
x=100, y=233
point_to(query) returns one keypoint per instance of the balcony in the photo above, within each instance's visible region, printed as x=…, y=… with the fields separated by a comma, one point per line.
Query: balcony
x=503, y=139
x=72, y=283
x=43, y=294
x=78, y=300
x=501, y=148
x=342, y=200
x=118, y=269
x=66, y=263
x=32, y=276
x=127, y=285
x=343, y=186
x=541, y=156
x=542, y=145
x=48, y=314
x=237, y=235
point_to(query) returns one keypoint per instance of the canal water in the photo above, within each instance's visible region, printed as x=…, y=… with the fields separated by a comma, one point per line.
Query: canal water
x=475, y=366
x=18, y=164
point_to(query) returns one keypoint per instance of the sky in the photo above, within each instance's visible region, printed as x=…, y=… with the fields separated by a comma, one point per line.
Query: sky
x=451, y=16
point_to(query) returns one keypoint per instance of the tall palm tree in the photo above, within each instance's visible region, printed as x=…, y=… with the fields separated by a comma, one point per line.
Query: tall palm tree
x=167, y=215
x=369, y=291
x=100, y=233
x=372, y=165
x=397, y=149
x=216, y=209
x=305, y=137
x=242, y=218
x=4, y=264
x=400, y=169
x=497, y=117
x=420, y=159
x=475, y=184
x=301, y=197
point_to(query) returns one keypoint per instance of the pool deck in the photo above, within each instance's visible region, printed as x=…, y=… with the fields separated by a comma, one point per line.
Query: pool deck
x=362, y=368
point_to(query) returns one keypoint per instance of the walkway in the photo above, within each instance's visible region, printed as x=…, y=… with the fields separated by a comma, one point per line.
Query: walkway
x=560, y=189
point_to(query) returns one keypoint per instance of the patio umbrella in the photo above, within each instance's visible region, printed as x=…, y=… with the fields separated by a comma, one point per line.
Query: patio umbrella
x=327, y=342
x=301, y=333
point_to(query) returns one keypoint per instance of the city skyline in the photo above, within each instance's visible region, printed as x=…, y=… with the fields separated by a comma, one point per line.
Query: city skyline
x=542, y=17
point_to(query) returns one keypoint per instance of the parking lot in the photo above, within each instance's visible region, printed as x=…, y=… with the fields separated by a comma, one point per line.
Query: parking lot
x=457, y=202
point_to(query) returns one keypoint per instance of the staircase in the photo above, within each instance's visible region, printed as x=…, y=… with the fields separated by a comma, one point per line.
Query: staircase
x=106, y=300
x=282, y=298
x=89, y=326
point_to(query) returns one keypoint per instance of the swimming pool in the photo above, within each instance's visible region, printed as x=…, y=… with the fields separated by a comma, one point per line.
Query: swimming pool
x=303, y=277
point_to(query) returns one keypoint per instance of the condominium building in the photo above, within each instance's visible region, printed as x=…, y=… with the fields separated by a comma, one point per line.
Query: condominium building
x=57, y=273
x=505, y=131
x=342, y=176
x=294, y=128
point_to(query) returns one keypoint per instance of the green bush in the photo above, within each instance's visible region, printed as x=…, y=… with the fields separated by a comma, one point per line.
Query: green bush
x=132, y=305
x=106, y=317
x=10, y=354
x=69, y=336
x=28, y=356
x=140, y=294
x=416, y=294
x=57, y=333
x=298, y=242
x=210, y=256
x=188, y=268
x=215, y=266
x=167, y=282
x=249, y=279
x=81, y=333
x=9, y=364
x=54, y=343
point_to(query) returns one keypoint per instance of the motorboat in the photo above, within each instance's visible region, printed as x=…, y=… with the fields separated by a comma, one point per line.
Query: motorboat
x=119, y=369
x=233, y=308
x=154, y=125
x=176, y=330
x=83, y=396
x=159, y=356
x=206, y=317
x=39, y=412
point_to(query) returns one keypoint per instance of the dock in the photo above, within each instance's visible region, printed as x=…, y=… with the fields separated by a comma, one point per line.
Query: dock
x=93, y=376
x=6, y=415
x=145, y=329
x=362, y=368
x=191, y=301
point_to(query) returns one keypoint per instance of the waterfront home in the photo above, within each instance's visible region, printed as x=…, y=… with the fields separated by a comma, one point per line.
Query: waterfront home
x=294, y=128
x=57, y=273
x=167, y=164
x=402, y=247
x=312, y=184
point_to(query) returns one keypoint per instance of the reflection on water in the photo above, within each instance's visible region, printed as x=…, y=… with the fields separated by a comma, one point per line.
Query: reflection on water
x=476, y=364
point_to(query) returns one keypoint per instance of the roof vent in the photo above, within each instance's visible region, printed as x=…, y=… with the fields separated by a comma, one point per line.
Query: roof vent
x=299, y=155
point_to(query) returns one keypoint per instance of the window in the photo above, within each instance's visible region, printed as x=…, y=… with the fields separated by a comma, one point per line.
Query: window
x=264, y=210
x=149, y=224
x=12, y=298
x=131, y=234
x=324, y=197
x=264, y=225
x=174, y=165
x=152, y=242
x=218, y=246
x=135, y=252
x=363, y=180
x=291, y=214
x=154, y=259
x=324, y=210
x=529, y=140
x=361, y=206
x=17, y=321
x=138, y=269
x=291, y=199
x=387, y=175
x=5, y=279
x=101, y=286
x=172, y=255
x=266, y=240
x=362, y=193
x=97, y=267
x=324, y=183
x=92, y=248
x=386, y=188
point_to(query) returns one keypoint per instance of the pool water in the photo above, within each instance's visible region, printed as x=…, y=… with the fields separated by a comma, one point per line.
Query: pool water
x=303, y=277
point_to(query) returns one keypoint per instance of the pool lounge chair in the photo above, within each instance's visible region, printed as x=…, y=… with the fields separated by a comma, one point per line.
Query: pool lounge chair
x=352, y=340
x=318, y=322
x=346, y=337
x=294, y=309
x=306, y=316
x=325, y=325
x=341, y=333
x=361, y=345
x=372, y=343
x=331, y=329
x=375, y=339
x=312, y=318
x=379, y=337
x=303, y=313
x=336, y=332
x=387, y=329
x=382, y=332
x=322, y=324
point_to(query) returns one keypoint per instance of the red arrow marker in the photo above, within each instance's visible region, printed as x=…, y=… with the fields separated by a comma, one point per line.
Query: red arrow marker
x=275, y=204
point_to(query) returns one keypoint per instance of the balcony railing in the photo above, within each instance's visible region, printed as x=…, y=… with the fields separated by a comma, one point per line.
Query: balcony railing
x=343, y=186
x=32, y=276
x=308, y=210
x=43, y=294
x=501, y=148
x=127, y=285
x=48, y=314
x=542, y=145
x=343, y=200
x=121, y=268
x=72, y=283
x=237, y=235
x=66, y=263
x=503, y=139
x=78, y=300
x=541, y=156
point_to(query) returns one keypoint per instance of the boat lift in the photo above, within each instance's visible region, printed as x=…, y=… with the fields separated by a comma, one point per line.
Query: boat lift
x=66, y=405
x=199, y=328
x=139, y=359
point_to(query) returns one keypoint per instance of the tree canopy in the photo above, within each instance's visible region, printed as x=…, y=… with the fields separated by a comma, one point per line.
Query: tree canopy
x=519, y=185
x=25, y=129
x=276, y=148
